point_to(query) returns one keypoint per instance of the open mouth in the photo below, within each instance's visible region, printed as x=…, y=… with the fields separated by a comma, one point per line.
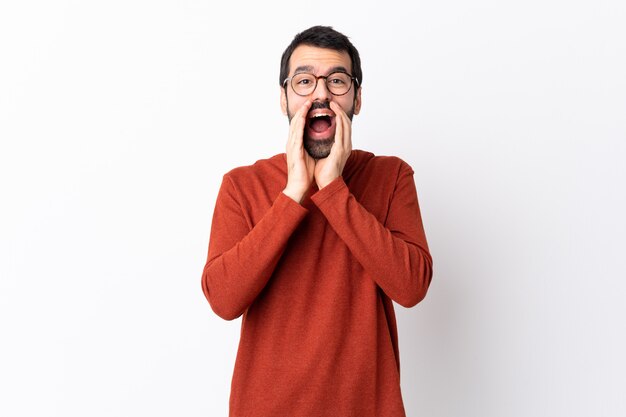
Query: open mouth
x=321, y=124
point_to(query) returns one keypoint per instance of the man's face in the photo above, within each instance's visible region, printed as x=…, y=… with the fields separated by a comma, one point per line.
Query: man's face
x=319, y=132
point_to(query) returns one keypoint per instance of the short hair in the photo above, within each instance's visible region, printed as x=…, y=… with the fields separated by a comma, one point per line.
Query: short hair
x=322, y=37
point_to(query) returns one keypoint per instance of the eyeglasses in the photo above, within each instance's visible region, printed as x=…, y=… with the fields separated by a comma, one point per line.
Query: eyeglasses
x=338, y=83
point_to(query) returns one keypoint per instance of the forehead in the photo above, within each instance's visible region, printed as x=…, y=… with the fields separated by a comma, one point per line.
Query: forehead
x=318, y=60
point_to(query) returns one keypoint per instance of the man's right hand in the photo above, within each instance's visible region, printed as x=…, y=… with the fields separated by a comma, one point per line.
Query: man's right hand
x=300, y=165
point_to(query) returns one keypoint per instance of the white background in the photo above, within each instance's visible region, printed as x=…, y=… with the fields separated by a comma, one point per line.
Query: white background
x=119, y=118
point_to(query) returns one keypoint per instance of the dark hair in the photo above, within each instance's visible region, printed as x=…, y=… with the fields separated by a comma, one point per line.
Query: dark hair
x=322, y=37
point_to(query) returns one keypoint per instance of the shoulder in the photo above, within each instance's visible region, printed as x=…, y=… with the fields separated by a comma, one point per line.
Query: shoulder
x=263, y=168
x=380, y=163
x=258, y=184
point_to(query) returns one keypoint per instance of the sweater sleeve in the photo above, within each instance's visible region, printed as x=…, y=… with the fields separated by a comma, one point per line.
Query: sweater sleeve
x=395, y=254
x=242, y=257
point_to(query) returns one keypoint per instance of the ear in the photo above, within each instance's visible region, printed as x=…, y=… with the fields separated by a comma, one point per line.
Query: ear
x=283, y=101
x=357, y=101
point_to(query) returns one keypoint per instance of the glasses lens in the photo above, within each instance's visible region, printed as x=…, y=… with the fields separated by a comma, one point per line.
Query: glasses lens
x=338, y=83
x=303, y=83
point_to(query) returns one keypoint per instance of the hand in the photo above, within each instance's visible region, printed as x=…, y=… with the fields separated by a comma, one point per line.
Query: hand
x=300, y=164
x=331, y=167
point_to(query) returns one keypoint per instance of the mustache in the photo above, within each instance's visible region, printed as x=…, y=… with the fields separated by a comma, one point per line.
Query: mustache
x=320, y=105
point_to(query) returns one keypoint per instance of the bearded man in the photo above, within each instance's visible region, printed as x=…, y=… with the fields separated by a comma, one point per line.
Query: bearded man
x=312, y=247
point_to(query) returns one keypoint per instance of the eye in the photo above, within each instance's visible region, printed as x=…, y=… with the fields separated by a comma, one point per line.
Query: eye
x=338, y=79
x=303, y=80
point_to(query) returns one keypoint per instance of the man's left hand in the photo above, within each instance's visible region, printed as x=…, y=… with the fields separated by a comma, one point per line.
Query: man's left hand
x=331, y=167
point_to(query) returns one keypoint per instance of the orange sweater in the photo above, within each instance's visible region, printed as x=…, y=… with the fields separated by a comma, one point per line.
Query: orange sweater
x=314, y=283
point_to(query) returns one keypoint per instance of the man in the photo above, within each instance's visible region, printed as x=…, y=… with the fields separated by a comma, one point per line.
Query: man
x=312, y=246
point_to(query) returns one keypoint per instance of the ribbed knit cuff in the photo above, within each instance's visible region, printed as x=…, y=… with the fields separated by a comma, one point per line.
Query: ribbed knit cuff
x=284, y=203
x=330, y=190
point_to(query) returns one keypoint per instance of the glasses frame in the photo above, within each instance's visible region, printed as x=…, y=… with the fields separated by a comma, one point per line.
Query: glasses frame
x=353, y=80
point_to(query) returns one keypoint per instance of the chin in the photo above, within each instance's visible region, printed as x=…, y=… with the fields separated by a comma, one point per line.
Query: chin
x=319, y=148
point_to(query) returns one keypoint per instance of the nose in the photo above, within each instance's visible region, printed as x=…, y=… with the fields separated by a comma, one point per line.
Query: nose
x=321, y=92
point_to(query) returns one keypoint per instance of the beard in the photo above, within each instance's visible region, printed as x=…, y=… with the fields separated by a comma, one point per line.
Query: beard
x=318, y=148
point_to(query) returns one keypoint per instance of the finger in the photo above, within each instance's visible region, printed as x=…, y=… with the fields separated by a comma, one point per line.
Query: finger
x=342, y=126
x=340, y=117
x=343, y=122
x=305, y=108
x=339, y=130
x=300, y=116
x=347, y=134
x=298, y=121
x=337, y=109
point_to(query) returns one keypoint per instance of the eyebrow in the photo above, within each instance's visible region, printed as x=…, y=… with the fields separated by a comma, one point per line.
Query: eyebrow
x=309, y=68
x=303, y=68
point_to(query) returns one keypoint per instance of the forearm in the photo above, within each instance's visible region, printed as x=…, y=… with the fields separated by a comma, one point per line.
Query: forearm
x=240, y=262
x=397, y=259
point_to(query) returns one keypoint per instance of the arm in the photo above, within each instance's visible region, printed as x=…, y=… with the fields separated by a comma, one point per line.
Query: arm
x=395, y=254
x=241, y=258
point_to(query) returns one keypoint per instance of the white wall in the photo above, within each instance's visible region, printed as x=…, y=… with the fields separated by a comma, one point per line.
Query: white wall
x=118, y=119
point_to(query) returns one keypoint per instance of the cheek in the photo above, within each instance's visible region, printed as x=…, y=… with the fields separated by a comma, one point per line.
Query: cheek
x=346, y=103
x=294, y=103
